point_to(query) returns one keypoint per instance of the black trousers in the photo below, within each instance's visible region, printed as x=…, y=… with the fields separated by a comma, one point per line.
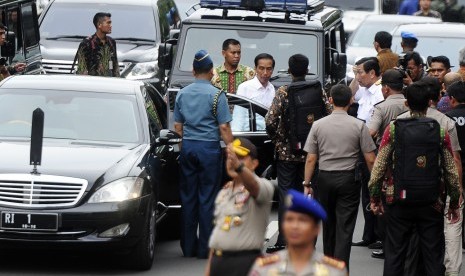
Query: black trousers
x=429, y=223
x=290, y=176
x=235, y=264
x=339, y=194
x=369, y=228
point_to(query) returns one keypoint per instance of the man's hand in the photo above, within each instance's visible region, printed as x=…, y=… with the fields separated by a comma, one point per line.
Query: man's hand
x=308, y=191
x=377, y=208
x=232, y=162
x=19, y=67
x=453, y=215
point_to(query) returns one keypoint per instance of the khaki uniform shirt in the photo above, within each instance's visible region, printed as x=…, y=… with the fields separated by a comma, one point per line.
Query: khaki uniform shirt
x=279, y=264
x=384, y=112
x=387, y=60
x=337, y=139
x=240, y=219
x=444, y=121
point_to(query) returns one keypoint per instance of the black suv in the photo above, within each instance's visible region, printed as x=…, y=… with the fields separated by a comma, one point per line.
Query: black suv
x=316, y=31
x=139, y=26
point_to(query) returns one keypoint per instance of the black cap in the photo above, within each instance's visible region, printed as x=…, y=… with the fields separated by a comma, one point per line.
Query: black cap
x=243, y=147
x=392, y=76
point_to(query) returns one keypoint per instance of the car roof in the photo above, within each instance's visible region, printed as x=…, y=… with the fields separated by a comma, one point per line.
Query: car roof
x=113, y=2
x=399, y=18
x=432, y=29
x=72, y=82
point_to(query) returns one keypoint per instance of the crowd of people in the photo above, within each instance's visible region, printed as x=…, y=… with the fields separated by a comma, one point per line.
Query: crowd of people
x=390, y=139
x=369, y=137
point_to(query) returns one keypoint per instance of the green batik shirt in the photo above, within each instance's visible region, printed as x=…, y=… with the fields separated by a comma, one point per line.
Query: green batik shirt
x=230, y=81
x=96, y=58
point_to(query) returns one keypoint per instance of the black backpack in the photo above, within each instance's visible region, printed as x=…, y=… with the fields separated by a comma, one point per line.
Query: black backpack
x=305, y=106
x=417, y=155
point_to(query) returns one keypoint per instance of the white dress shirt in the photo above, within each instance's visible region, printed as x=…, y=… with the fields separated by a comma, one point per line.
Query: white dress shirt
x=254, y=90
x=366, y=99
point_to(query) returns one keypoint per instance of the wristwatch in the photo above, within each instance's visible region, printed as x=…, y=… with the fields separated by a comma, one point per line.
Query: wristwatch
x=307, y=185
x=240, y=168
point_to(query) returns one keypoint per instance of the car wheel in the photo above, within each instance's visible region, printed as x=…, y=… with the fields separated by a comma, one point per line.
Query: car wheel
x=143, y=254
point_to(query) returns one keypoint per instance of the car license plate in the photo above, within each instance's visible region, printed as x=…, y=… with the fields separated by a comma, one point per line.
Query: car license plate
x=29, y=221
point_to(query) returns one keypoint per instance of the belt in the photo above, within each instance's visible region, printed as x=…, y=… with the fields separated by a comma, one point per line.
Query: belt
x=334, y=172
x=226, y=253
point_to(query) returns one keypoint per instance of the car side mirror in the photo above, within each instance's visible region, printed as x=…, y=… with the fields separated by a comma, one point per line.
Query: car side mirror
x=174, y=34
x=339, y=65
x=168, y=137
x=165, y=56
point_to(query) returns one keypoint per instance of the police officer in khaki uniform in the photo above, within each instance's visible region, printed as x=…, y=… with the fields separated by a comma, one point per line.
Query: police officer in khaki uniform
x=301, y=225
x=336, y=141
x=242, y=209
x=394, y=104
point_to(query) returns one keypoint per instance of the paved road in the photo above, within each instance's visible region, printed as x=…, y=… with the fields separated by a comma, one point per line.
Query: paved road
x=168, y=261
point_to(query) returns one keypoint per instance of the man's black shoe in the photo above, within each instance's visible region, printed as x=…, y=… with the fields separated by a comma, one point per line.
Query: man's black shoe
x=376, y=245
x=274, y=248
x=361, y=243
x=378, y=254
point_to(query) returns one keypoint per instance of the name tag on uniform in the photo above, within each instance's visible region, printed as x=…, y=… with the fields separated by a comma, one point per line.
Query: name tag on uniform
x=110, y=65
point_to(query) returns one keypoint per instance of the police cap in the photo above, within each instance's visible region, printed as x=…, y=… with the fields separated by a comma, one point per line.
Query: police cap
x=298, y=202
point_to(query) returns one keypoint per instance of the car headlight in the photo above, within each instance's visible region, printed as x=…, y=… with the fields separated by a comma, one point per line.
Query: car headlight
x=119, y=190
x=143, y=70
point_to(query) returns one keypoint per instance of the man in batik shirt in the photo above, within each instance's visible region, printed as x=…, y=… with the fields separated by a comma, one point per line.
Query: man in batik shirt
x=96, y=55
x=229, y=75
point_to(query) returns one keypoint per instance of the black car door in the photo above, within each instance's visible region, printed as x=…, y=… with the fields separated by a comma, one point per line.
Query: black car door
x=249, y=122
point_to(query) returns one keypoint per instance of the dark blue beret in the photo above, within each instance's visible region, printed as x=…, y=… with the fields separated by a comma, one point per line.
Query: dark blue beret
x=298, y=202
x=408, y=35
x=202, y=60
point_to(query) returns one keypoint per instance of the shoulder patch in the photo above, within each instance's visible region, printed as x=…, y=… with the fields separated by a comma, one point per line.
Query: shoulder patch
x=334, y=263
x=267, y=260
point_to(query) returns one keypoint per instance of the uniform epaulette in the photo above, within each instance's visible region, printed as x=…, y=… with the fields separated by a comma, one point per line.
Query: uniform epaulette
x=379, y=102
x=334, y=263
x=402, y=113
x=378, y=82
x=267, y=260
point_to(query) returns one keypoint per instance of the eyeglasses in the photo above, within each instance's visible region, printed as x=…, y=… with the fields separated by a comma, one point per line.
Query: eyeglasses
x=240, y=150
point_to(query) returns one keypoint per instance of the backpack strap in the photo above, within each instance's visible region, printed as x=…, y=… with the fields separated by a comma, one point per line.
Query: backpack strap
x=216, y=99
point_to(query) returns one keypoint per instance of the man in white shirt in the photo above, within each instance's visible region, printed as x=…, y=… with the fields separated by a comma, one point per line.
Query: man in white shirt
x=367, y=74
x=368, y=79
x=258, y=89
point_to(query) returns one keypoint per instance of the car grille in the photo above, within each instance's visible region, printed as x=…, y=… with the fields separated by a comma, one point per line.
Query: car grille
x=40, y=191
x=64, y=66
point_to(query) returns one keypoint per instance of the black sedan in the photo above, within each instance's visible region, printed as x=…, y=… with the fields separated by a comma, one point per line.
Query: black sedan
x=109, y=170
x=97, y=186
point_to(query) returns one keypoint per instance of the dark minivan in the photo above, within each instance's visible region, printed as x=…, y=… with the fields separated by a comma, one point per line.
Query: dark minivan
x=139, y=26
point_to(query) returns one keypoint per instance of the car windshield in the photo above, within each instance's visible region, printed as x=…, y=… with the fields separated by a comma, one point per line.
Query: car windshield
x=280, y=45
x=64, y=19
x=365, y=34
x=89, y=116
x=350, y=5
x=435, y=46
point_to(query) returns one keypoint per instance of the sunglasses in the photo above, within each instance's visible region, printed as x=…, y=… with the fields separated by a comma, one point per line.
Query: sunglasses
x=240, y=150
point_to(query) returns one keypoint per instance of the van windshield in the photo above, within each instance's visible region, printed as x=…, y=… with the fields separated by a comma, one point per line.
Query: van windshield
x=281, y=45
x=72, y=19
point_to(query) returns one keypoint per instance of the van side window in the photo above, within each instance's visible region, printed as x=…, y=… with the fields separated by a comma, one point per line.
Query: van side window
x=31, y=34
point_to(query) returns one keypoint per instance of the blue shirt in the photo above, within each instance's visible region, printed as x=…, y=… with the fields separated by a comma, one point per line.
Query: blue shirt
x=408, y=7
x=194, y=109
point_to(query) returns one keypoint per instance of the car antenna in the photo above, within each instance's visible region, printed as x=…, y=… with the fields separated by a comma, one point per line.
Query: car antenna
x=37, y=136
